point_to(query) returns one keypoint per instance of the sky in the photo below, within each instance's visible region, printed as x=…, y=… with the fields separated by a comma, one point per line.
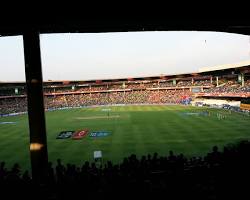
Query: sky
x=93, y=56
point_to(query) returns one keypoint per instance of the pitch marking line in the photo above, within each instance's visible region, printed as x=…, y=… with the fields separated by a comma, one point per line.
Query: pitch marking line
x=99, y=117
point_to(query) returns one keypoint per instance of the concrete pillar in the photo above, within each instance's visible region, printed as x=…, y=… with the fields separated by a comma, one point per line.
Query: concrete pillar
x=174, y=82
x=37, y=127
x=242, y=79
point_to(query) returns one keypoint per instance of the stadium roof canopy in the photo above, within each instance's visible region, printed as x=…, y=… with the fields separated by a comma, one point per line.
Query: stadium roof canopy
x=202, y=74
x=226, y=66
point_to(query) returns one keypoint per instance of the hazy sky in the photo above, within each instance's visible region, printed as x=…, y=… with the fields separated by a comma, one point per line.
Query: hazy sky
x=122, y=55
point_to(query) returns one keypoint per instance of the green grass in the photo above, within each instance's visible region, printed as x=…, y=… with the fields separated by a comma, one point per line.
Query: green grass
x=139, y=129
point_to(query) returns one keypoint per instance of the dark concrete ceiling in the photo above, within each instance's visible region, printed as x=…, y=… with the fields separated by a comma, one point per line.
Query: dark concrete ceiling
x=83, y=20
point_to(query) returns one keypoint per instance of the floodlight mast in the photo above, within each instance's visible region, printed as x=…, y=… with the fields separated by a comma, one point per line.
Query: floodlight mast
x=37, y=127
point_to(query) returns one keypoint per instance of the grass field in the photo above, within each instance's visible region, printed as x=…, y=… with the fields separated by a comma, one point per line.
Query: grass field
x=134, y=129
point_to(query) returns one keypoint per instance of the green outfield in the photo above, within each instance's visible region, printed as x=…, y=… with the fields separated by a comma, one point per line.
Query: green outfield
x=133, y=129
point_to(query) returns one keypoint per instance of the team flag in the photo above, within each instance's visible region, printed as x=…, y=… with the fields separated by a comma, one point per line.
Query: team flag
x=80, y=134
x=65, y=134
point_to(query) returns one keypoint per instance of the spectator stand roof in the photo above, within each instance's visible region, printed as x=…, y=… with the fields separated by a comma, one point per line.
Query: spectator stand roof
x=202, y=74
x=238, y=66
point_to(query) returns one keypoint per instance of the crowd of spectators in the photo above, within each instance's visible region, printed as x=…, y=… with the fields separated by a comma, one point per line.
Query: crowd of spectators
x=184, y=83
x=224, y=86
x=131, y=85
x=230, y=87
x=140, y=92
x=18, y=104
x=166, y=84
x=129, y=97
x=218, y=175
x=203, y=83
x=13, y=105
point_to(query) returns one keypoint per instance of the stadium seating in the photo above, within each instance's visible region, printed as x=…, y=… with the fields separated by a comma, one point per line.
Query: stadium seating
x=140, y=92
x=17, y=104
